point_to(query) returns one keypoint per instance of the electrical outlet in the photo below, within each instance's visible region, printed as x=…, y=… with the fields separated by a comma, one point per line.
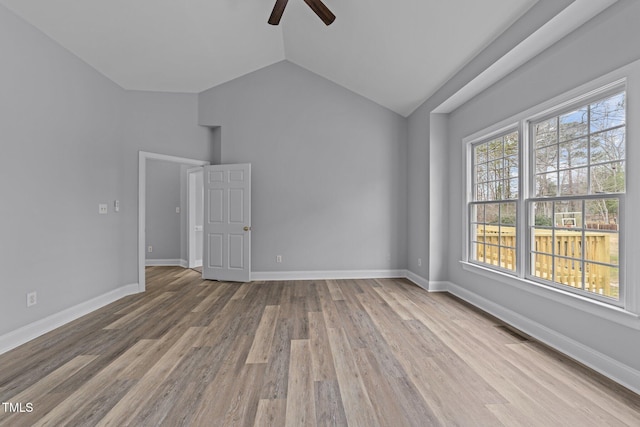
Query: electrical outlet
x=150, y=249
x=419, y=262
x=32, y=298
x=116, y=205
x=278, y=258
x=177, y=209
x=103, y=209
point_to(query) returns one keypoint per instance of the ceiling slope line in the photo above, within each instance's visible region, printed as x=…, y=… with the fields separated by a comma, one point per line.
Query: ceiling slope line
x=561, y=25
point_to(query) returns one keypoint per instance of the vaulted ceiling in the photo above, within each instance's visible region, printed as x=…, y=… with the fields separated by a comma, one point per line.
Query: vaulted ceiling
x=396, y=53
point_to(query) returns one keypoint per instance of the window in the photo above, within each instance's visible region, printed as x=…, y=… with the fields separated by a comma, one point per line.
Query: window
x=579, y=180
x=570, y=164
x=494, y=208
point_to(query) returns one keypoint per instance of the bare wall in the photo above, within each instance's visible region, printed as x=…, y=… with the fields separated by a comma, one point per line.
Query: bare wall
x=328, y=168
x=163, y=223
x=61, y=133
x=70, y=141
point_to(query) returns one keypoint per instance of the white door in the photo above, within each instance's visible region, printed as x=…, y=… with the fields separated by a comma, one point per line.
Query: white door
x=227, y=223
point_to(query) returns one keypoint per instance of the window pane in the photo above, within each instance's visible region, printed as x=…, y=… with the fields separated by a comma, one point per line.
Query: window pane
x=546, y=132
x=574, y=182
x=508, y=236
x=495, y=149
x=547, y=184
x=511, y=189
x=508, y=258
x=602, y=247
x=511, y=144
x=543, y=240
x=481, y=192
x=603, y=280
x=568, y=272
x=574, y=124
x=542, y=266
x=508, y=214
x=480, y=153
x=543, y=214
x=492, y=213
x=495, y=190
x=547, y=159
x=568, y=243
x=492, y=254
x=568, y=214
x=496, y=169
x=608, y=146
x=511, y=167
x=573, y=153
x=602, y=214
x=481, y=173
x=608, y=113
x=608, y=178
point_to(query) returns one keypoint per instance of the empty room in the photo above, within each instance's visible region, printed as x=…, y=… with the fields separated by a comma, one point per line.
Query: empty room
x=305, y=212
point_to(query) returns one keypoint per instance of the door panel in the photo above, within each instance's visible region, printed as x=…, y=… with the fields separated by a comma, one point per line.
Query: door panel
x=227, y=254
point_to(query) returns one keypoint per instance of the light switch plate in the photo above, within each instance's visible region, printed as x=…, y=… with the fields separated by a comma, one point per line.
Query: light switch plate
x=103, y=209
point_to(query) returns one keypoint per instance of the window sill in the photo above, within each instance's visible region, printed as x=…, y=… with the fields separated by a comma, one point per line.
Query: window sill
x=593, y=307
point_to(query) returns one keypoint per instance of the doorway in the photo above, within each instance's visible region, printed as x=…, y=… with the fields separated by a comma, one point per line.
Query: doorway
x=143, y=157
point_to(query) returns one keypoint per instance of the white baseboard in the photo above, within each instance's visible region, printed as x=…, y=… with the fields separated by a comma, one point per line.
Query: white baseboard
x=166, y=263
x=435, y=286
x=607, y=366
x=33, y=330
x=426, y=284
x=418, y=280
x=326, y=275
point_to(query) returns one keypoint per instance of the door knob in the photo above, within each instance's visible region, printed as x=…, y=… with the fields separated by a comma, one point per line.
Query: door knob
x=247, y=228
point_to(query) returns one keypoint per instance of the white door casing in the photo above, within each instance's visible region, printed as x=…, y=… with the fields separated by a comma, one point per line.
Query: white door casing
x=143, y=157
x=195, y=206
x=227, y=223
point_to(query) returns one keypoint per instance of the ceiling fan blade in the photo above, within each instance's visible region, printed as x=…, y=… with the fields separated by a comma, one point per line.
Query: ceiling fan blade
x=278, y=10
x=321, y=10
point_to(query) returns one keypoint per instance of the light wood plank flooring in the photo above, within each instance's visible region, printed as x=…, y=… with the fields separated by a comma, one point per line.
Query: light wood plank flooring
x=305, y=353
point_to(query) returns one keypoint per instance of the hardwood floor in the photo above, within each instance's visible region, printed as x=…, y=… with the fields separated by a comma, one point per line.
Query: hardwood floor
x=305, y=353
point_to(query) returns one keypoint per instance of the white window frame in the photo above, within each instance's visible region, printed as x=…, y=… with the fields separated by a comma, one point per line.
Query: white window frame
x=531, y=197
x=627, y=311
x=470, y=197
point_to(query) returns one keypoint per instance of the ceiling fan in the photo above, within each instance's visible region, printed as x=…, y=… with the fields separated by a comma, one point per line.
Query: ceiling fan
x=317, y=6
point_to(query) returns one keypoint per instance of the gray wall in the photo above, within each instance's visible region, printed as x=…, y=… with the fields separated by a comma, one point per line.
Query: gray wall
x=163, y=224
x=70, y=140
x=604, y=44
x=427, y=171
x=61, y=133
x=164, y=123
x=329, y=187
